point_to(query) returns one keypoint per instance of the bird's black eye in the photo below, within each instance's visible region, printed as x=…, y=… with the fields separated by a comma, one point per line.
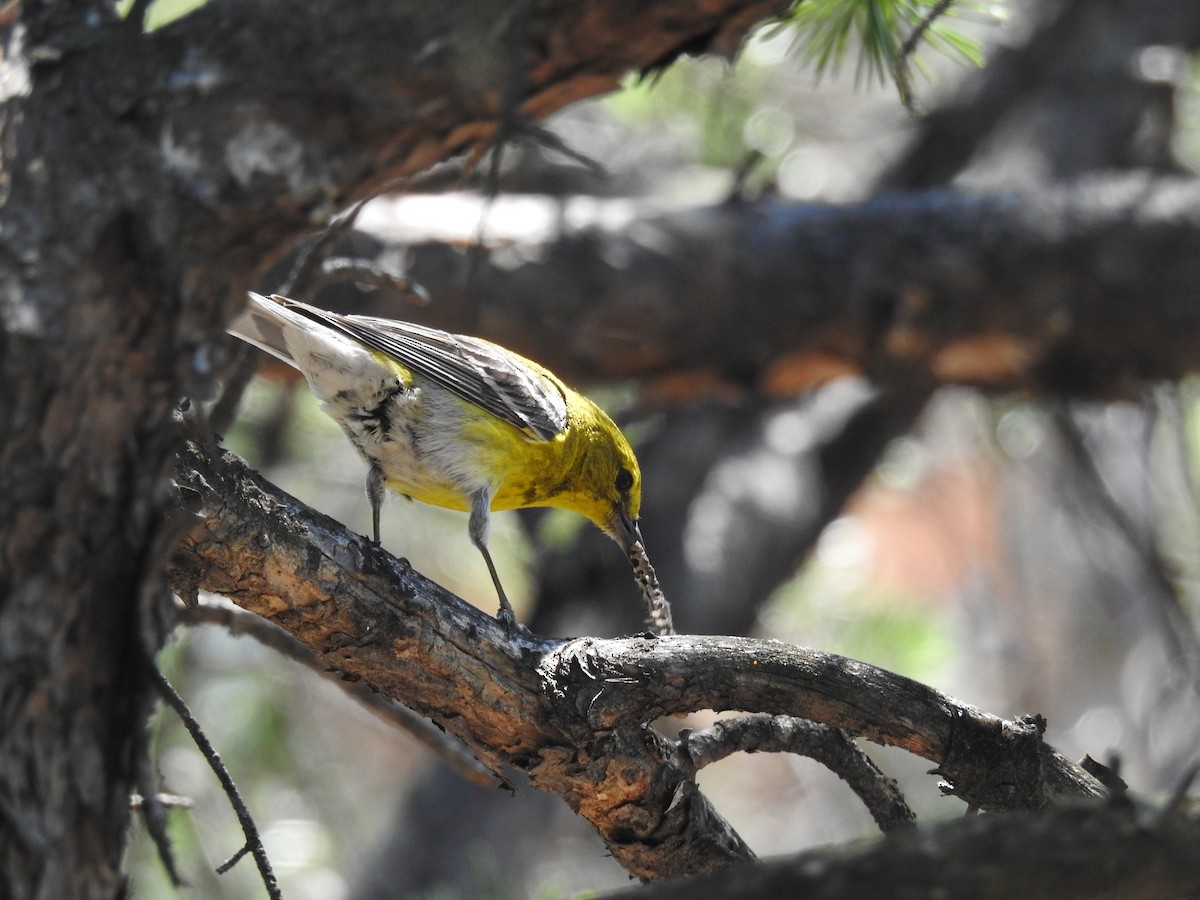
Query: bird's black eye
x=624, y=480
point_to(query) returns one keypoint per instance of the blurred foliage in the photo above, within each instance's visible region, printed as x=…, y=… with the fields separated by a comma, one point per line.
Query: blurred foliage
x=704, y=102
x=162, y=12
x=1186, y=139
x=834, y=604
x=886, y=34
x=762, y=117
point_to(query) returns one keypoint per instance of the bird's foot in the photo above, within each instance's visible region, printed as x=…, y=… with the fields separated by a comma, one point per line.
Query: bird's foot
x=512, y=628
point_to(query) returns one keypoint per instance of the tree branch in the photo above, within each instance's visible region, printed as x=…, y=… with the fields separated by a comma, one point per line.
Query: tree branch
x=1079, y=291
x=285, y=130
x=448, y=749
x=832, y=747
x=369, y=617
x=1078, y=852
x=574, y=715
x=253, y=843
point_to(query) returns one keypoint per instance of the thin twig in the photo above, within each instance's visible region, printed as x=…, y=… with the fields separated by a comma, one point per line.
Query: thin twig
x=233, y=860
x=308, y=263
x=167, y=801
x=449, y=750
x=516, y=83
x=901, y=71
x=832, y=747
x=371, y=273
x=224, y=410
x=249, y=829
x=136, y=17
x=1093, y=488
x=910, y=44
x=738, y=191
x=154, y=813
x=546, y=138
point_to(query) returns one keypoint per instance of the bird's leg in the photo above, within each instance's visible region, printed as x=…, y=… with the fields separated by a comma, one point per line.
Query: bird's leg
x=481, y=503
x=506, y=615
x=375, y=496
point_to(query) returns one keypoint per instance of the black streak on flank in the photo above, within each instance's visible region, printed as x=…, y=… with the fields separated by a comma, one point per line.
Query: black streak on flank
x=376, y=421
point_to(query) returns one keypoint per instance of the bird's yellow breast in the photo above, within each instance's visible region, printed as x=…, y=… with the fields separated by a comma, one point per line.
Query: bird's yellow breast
x=442, y=449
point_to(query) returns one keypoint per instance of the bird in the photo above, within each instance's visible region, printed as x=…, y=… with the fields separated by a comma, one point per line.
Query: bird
x=459, y=422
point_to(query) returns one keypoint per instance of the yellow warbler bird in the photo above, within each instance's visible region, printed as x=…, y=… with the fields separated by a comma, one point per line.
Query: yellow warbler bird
x=462, y=423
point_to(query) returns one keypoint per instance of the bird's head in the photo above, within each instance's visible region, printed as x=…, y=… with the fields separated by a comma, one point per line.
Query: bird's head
x=608, y=485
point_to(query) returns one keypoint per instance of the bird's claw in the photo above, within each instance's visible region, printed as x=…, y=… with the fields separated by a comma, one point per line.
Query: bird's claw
x=512, y=628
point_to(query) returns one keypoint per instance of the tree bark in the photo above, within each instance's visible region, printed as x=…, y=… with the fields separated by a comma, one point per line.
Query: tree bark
x=575, y=716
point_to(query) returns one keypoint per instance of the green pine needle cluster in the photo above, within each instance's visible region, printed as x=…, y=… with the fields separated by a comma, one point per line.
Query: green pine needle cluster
x=887, y=34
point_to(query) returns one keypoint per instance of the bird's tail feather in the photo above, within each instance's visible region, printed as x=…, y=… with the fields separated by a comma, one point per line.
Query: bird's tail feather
x=265, y=323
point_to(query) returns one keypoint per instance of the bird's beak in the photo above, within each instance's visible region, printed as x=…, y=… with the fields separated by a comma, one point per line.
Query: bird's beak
x=624, y=529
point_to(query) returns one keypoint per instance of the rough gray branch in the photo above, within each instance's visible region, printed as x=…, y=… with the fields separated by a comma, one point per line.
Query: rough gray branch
x=830, y=746
x=574, y=715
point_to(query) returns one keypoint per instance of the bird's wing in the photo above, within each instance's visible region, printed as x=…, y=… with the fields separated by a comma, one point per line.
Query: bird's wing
x=480, y=373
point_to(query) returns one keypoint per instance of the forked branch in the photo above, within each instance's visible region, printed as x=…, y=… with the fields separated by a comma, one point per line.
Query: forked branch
x=575, y=716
